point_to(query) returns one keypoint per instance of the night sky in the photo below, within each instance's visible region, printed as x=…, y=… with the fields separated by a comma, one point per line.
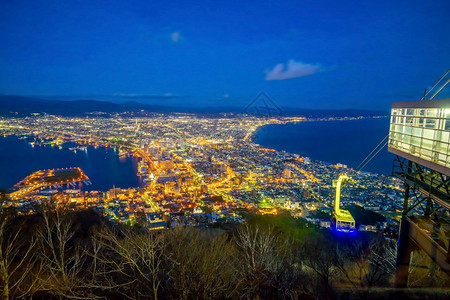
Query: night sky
x=306, y=54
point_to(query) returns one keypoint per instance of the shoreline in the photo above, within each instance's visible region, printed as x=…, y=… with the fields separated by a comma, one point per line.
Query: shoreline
x=252, y=138
x=82, y=149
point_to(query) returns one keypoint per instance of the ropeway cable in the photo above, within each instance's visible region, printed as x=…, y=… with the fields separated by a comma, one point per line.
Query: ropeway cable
x=374, y=149
x=437, y=82
x=440, y=89
x=359, y=169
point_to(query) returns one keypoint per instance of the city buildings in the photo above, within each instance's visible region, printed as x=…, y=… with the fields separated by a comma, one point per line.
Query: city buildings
x=198, y=169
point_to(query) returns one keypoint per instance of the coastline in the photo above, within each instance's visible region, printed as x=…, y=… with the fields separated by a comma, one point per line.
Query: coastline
x=96, y=162
x=252, y=135
x=269, y=135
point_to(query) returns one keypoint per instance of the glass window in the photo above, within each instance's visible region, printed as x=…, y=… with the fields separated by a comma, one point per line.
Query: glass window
x=407, y=129
x=425, y=153
x=447, y=112
x=428, y=133
x=406, y=147
x=444, y=136
x=441, y=156
x=421, y=121
x=447, y=124
x=415, y=141
x=429, y=123
x=428, y=144
x=392, y=127
x=407, y=139
x=432, y=112
x=440, y=124
x=422, y=133
x=441, y=147
x=417, y=131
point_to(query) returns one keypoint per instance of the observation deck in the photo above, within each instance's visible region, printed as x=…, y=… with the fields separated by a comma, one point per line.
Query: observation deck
x=420, y=131
x=419, y=136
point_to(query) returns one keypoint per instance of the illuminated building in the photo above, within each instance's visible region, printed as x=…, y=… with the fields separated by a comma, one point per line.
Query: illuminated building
x=155, y=222
x=420, y=130
x=419, y=136
x=166, y=164
x=287, y=173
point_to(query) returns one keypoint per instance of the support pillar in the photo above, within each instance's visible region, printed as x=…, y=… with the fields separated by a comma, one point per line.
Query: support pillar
x=403, y=255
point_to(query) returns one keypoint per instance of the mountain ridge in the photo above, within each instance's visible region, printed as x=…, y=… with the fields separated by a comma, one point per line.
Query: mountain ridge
x=13, y=105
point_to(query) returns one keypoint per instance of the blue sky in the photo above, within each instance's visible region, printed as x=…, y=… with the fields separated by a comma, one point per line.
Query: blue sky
x=306, y=54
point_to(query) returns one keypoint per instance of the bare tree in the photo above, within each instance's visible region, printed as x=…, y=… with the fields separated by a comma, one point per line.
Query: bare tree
x=272, y=264
x=364, y=265
x=19, y=268
x=256, y=248
x=322, y=258
x=352, y=262
x=383, y=254
x=64, y=258
x=129, y=262
x=201, y=266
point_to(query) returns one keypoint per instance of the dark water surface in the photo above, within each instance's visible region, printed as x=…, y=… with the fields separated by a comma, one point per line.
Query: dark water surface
x=347, y=142
x=103, y=166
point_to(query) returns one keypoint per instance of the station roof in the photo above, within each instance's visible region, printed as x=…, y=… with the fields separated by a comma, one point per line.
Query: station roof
x=435, y=103
x=344, y=215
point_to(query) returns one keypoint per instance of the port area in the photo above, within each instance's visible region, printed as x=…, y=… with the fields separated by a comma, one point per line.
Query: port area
x=48, y=178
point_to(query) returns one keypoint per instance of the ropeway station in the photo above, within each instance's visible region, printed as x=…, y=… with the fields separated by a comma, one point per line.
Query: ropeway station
x=419, y=136
x=342, y=220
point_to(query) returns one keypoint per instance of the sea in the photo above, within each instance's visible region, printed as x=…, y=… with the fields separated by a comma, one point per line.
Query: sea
x=339, y=141
x=103, y=166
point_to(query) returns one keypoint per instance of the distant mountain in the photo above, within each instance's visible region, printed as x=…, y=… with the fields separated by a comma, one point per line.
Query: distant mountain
x=323, y=113
x=11, y=105
x=26, y=105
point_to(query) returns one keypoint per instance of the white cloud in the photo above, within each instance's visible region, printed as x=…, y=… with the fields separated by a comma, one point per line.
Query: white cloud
x=224, y=97
x=292, y=69
x=175, y=36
